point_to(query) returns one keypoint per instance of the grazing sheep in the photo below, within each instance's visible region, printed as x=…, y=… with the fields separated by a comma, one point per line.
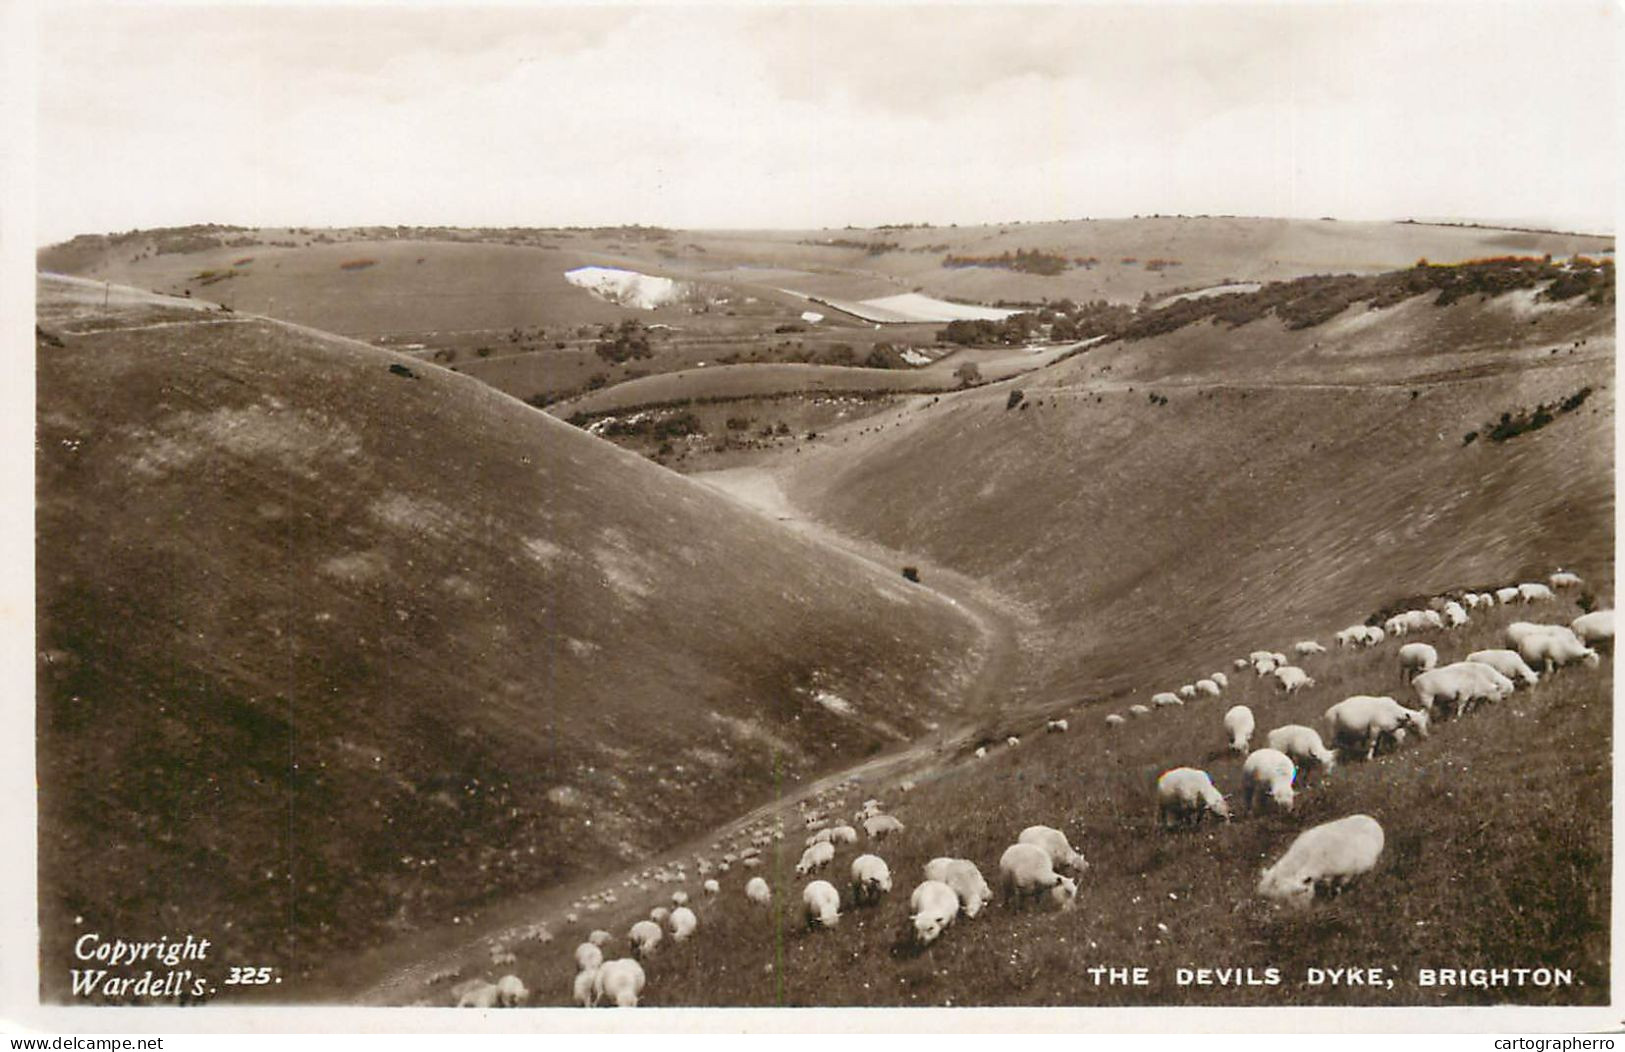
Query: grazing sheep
x=758, y=892
x=588, y=955
x=1509, y=594
x=1055, y=844
x=585, y=988
x=1264, y=666
x=906, y=786
x=1239, y=664
x=1454, y=615
x=1508, y=664
x=822, y=904
x=1350, y=636
x=1303, y=745
x=1268, y=773
x=683, y=923
x=1114, y=719
x=871, y=878
x=570, y=918
x=820, y=837
x=1011, y=741
x=1307, y=647
x=815, y=857
x=1185, y=795
x=477, y=994
x=1208, y=688
x=1594, y=629
x=1292, y=679
x=1564, y=579
x=1255, y=656
x=622, y=980
x=1027, y=872
x=1139, y=710
x=966, y=880
x=711, y=887
x=644, y=936
x=1238, y=726
x=679, y=898
x=981, y=752
x=882, y=826
x=1361, y=722
x=598, y=937
x=1324, y=858
x=1056, y=726
x=1416, y=658
x=1373, y=636
x=511, y=992
x=659, y=914
x=1531, y=593
x=1549, y=646
x=1164, y=699
x=935, y=905
x=1221, y=679
x=1188, y=691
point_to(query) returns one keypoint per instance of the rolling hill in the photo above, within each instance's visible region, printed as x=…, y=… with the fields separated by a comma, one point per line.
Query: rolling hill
x=334, y=644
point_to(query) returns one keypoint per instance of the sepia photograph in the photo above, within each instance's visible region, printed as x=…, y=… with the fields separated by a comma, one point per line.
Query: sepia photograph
x=1092, y=507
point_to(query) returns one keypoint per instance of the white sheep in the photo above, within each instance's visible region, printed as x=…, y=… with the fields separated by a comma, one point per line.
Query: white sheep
x=711, y=886
x=1027, y=872
x=1508, y=663
x=815, y=857
x=966, y=880
x=1326, y=857
x=1416, y=658
x=1549, y=646
x=1208, y=688
x=871, y=878
x=1361, y=722
x=1238, y=727
x=598, y=937
x=1292, y=679
x=1307, y=648
x=1185, y=795
x=1594, y=628
x=1221, y=679
x=1011, y=741
x=1239, y=664
x=1264, y=666
x=1268, y=773
x=820, y=837
x=644, y=936
x=1373, y=636
x=757, y=891
x=1055, y=844
x=981, y=752
x=511, y=992
x=621, y=980
x=679, y=898
x=1303, y=744
x=659, y=914
x=1114, y=719
x=585, y=987
x=683, y=923
x=1509, y=594
x=1164, y=699
x=1139, y=710
x=589, y=955
x=822, y=904
x=881, y=826
x=1564, y=579
x=935, y=905
x=476, y=993
x=1056, y=726
x=1454, y=615
x=1534, y=592
x=1188, y=691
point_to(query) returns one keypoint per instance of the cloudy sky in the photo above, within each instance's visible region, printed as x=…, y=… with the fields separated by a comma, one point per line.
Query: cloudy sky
x=805, y=116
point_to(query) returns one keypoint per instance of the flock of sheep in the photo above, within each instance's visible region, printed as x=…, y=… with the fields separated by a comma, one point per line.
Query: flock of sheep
x=1041, y=866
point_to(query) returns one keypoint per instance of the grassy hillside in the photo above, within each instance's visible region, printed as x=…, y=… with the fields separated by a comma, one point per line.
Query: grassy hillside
x=1186, y=491
x=335, y=645
x=1495, y=856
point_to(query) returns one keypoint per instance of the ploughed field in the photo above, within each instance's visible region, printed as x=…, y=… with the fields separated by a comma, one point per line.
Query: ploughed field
x=1497, y=856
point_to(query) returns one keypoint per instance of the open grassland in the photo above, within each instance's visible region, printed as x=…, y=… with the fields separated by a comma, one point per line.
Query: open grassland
x=1325, y=469
x=1497, y=855
x=335, y=646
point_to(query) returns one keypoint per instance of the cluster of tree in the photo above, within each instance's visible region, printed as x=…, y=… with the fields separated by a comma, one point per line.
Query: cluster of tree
x=1027, y=261
x=1016, y=329
x=623, y=343
x=1513, y=424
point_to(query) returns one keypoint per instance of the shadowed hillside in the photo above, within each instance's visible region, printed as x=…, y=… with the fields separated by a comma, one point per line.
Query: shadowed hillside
x=334, y=644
